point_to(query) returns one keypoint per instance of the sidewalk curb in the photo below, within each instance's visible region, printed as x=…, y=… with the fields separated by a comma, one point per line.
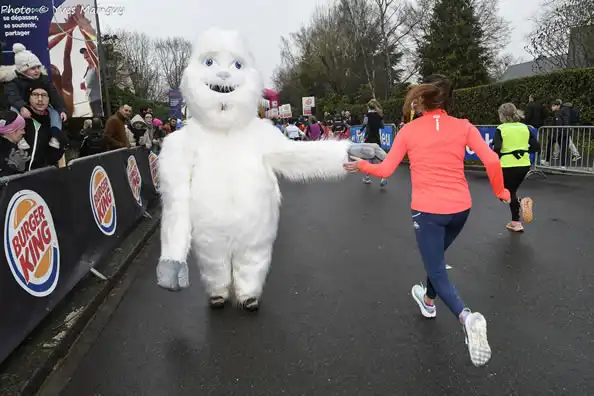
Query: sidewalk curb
x=35, y=359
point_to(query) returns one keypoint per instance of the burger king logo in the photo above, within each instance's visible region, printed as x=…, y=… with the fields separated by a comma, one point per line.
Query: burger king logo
x=134, y=179
x=103, y=201
x=31, y=243
x=153, y=162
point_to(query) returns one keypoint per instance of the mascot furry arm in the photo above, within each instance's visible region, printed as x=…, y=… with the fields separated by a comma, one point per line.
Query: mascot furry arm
x=175, y=174
x=303, y=161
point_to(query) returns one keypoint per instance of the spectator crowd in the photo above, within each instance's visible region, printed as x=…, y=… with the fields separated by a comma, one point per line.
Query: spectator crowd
x=33, y=120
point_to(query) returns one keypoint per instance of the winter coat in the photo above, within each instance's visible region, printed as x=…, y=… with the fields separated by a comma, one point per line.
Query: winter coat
x=139, y=133
x=374, y=123
x=38, y=132
x=535, y=114
x=93, y=142
x=314, y=131
x=115, y=135
x=16, y=89
x=563, y=116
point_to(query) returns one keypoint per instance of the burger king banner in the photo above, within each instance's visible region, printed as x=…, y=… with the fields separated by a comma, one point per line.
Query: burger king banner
x=39, y=260
x=153, y=162
x=31, y=243
x=61, y=222
x=134, y=179
x=102, y=199
x=147, y=164
x=104, y=202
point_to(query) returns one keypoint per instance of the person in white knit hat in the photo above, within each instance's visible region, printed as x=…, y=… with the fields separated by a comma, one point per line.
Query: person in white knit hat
x=27, y=69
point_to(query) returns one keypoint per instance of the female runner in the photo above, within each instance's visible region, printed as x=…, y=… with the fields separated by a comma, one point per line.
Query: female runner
x=435, y=144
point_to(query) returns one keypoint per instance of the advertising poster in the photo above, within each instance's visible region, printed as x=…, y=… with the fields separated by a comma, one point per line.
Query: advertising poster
x=62, y=35
x=387, y=134
x=285, y=111
x=308, y=103
x=488, y=133
x=175, y=104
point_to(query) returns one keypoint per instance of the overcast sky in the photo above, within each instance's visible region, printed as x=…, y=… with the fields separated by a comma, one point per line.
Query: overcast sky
x=262, y=21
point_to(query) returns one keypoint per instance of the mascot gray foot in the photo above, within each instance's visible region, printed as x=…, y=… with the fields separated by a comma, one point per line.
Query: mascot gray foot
x=217, y=302
x=251, y=304
x=173, y=275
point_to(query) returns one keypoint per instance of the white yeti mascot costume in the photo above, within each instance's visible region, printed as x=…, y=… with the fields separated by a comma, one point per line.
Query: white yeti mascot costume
x=218, y=175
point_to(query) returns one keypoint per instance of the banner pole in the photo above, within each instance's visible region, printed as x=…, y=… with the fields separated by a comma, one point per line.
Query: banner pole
x=102, y=64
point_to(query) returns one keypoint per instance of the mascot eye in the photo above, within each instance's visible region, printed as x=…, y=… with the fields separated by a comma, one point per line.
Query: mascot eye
x=237, y=65
x=209, y=62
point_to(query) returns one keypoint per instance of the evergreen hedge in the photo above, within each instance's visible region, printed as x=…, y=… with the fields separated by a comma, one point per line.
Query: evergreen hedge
x=479, y=104
x=119, y=97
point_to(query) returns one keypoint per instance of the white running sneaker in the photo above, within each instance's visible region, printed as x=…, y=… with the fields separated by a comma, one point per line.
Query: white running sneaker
x=475, y=329
x=418, y=294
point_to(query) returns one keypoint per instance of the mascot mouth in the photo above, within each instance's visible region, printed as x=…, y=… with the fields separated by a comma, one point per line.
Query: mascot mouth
x=221, y=88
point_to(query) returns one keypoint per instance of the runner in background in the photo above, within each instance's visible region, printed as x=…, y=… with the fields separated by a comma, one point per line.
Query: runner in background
x=514, y=143
x=373, y=122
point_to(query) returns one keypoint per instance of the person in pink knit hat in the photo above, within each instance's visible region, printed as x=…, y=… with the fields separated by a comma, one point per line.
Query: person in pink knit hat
x=13, y=158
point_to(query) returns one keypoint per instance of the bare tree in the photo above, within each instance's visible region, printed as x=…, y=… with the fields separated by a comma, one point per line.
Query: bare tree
x=496, y=29
x=397, y=20
x=173, y=54
x=138, y=57
x=332, y=47
x=117, y=74
x=358, y=13
x=349, y=51
x=564, y=34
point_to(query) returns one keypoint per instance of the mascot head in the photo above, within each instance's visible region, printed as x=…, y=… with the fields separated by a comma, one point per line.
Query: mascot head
x=221, y=86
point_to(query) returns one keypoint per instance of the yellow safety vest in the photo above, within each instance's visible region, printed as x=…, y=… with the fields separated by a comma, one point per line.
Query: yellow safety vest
x=515, y=136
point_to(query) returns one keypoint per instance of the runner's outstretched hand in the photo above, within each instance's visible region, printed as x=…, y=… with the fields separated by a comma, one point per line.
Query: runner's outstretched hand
x=353, y=166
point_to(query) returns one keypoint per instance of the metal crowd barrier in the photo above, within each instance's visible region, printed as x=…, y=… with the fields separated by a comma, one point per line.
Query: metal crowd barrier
x=563, y=148
x=566, y=149
x=489, y=139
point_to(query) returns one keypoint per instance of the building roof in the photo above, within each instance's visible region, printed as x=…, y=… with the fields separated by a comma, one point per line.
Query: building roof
x=529, y=69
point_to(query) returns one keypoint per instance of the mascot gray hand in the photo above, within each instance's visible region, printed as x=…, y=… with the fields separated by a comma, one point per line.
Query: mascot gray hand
x=367, y=151
x=173, y=275
x=18, y=159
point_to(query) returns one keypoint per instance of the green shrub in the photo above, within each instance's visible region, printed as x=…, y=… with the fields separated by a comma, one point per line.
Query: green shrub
x=479, y=104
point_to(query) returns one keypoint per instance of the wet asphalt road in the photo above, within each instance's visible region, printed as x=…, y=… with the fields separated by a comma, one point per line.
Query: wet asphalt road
x=337, y=317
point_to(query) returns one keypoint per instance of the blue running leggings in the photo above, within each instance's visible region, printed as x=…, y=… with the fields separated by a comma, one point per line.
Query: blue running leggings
x=435, y=233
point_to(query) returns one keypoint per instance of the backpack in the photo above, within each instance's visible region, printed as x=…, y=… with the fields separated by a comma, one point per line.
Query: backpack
x=575, y=116
x=93, y=142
